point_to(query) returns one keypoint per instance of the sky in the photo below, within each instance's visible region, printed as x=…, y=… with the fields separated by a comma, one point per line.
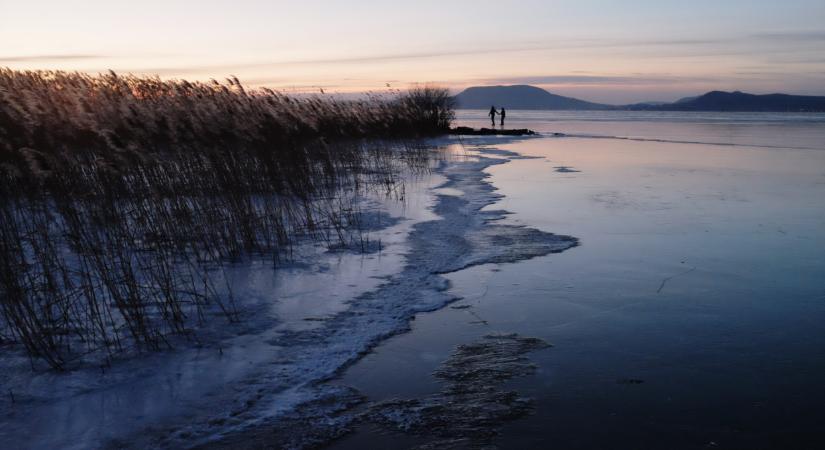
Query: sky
x=605, y=51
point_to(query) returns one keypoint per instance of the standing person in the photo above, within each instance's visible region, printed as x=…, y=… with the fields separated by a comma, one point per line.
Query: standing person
x=492, y=115
x=502, y=114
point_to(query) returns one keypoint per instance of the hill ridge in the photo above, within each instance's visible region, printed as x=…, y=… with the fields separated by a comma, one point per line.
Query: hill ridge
x=529, y=97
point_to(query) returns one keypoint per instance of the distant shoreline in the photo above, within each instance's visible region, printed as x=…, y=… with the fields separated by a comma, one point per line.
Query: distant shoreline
x=619, y=109
x=527, y=97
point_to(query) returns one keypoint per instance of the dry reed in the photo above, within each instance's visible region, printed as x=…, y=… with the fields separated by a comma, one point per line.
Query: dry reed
x=123, y=196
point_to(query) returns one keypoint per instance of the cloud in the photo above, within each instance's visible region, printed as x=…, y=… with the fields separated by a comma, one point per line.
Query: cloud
x=793, y=36
x=36, y=58
x=533, y=46
x=579, y=80
x=801, y=59
x=229, y=67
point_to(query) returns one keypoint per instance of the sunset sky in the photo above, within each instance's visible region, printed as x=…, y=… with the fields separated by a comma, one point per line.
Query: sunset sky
x=606, y=51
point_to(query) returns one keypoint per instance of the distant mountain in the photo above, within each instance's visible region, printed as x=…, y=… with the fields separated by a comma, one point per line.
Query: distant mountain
x=686, y=99
x=741, y=102
x=642, y=105
x=520, y=97
x=531, y=97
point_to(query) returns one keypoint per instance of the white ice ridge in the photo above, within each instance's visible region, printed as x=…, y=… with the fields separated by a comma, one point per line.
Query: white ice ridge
x=287, y=367
x=463, y=236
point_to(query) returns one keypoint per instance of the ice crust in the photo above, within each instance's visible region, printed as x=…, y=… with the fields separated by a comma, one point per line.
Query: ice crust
x=263, y=380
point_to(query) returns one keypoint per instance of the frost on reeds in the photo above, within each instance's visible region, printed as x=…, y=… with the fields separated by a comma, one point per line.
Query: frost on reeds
x=123, y=197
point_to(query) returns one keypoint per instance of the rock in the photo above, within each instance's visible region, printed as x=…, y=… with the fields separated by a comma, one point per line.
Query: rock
x=467, y=131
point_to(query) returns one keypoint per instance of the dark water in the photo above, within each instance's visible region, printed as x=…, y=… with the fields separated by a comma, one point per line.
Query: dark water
x=693, y=313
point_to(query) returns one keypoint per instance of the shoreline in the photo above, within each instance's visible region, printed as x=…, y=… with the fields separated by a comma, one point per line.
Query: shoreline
x=462, y=237
x=289, y=367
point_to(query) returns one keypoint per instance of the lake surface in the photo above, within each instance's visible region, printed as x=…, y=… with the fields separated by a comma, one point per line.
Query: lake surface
x=692, y=315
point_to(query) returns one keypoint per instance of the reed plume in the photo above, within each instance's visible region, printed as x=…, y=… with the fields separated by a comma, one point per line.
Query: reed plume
x=123, y=197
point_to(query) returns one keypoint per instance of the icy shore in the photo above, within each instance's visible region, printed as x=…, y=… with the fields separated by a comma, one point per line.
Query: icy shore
x=464, y=236
x=336, y=309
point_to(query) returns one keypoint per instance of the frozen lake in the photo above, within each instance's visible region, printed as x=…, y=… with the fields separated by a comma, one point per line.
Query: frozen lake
x=692, y=315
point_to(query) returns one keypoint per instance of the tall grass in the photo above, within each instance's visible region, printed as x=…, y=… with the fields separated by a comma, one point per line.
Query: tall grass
x=123, y=196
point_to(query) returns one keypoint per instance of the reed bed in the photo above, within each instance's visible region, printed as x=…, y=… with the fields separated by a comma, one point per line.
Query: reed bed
x=124, y=197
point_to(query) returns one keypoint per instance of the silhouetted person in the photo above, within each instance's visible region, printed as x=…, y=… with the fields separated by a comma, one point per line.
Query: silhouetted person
x=503, y=113
x=492, y=115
